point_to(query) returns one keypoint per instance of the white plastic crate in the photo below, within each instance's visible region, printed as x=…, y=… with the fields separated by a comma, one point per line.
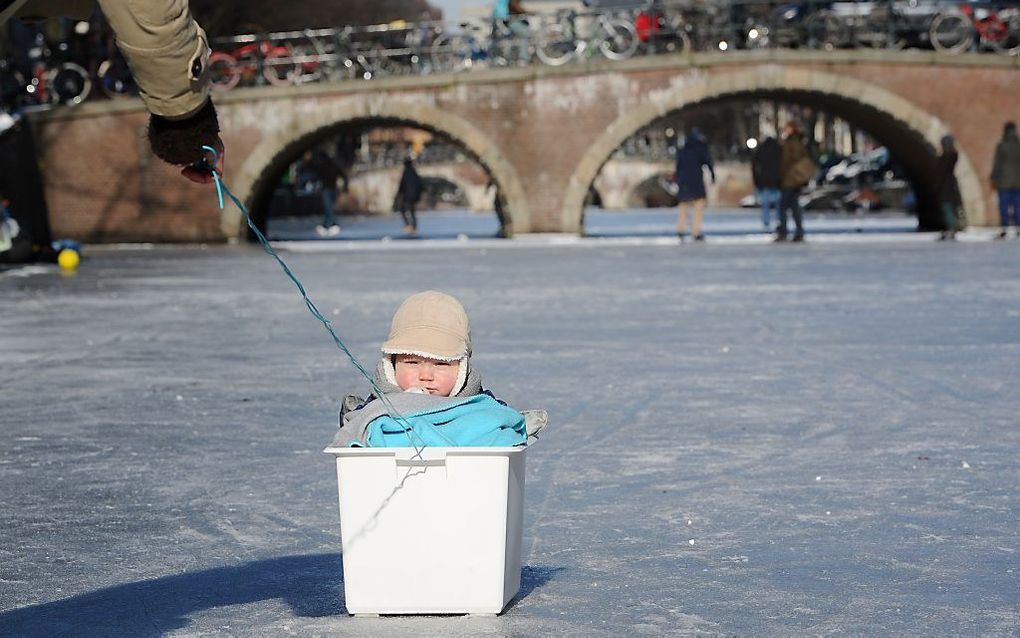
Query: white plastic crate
x=440, y=534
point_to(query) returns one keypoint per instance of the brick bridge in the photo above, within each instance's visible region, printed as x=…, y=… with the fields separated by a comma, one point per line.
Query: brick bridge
x=543, y=133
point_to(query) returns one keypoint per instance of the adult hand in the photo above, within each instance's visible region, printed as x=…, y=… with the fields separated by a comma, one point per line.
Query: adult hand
x=180, y=142
x=201, y=171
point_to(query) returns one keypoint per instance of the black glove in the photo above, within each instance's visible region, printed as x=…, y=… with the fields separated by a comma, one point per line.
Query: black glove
x=180, y=142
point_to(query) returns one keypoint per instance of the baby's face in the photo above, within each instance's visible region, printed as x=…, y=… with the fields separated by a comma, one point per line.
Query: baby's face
x=432, y=375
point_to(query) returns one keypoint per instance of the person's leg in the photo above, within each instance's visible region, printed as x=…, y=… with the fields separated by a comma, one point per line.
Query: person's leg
x=414, y=218
x=760, y=193
x=328, y=201
x=784, y=205
x=1003, y=212
x=949, y=220
x=1014, y=203
x=522, y=36
x=772, y=196
x=681, y=221
x=699, y=212
x=798, y=215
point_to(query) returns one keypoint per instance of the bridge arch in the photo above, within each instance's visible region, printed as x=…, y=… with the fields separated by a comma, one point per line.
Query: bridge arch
x=292, y=134
x=911, y=133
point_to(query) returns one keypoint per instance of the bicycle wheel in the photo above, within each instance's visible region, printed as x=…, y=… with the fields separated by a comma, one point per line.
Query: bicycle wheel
x=556, y=45
x=951, y=32
x=1007, y=41
x=223, y=73
x=677, y=39
x=759, y=36
x=278, y=68
x=618, y=40
x=879, y=31
x=69, y=84
x=826, y=31
x=115, y=80
x=451, y=52
x=384, y=61
x=501, y=52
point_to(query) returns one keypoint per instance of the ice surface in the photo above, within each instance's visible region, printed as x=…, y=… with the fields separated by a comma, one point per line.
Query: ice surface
x=833, y=425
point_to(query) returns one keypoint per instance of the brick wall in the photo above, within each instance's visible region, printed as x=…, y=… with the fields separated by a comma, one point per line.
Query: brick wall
x=535, y=127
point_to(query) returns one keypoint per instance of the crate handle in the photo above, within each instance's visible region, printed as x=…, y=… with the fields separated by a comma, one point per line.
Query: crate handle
x=421, y=462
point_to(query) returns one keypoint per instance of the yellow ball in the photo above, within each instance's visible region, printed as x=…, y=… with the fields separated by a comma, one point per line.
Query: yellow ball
x=68, y=259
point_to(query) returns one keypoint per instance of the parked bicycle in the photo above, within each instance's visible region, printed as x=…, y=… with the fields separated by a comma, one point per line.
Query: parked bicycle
x=257, y=59
x=115, y=79
x=662, y=28
x=46, y=76
x=478, y=43
x=961, y=28
x=571, y=35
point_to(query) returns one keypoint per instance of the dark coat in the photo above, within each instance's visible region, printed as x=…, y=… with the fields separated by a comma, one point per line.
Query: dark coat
x=690, y=178
x=1006, y=166
x=320, y=168
x=793, y=151
x=766, y=164
x=944, y=180
x=409, y=191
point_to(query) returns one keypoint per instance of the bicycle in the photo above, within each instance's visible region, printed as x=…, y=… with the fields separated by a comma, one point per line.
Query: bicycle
x=662, y=28
x=958, y=29
x=257, y=57
x=115, y=79
x=478, y=43
x=564, y=39
x=50, y=79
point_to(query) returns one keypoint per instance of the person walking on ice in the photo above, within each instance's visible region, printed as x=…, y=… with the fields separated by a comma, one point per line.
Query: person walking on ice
x=318, y=172
x=765, y=172
x=1006, y=179
x=944, y=182
x=425, y=375
x=690, y=181
x=408, y=193
x=797, y=170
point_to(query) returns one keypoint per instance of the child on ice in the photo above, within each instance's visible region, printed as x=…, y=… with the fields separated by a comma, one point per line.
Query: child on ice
x=426, y=376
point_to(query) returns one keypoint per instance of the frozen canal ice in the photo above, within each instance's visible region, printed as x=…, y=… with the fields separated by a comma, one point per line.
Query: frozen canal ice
x=745, y=438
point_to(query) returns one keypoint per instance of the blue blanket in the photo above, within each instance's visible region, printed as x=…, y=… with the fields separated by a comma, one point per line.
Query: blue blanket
x=478, y=421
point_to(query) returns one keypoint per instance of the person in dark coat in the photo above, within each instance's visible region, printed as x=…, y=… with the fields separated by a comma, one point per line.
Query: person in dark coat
x=791, y=181
x=320, y=171
x=1006, y=179
x=945, y=185
x=690, y=181
x=766, y=163
x=408, y=194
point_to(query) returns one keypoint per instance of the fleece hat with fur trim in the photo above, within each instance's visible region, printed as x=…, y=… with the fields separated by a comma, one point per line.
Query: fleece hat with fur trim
x=430, y=324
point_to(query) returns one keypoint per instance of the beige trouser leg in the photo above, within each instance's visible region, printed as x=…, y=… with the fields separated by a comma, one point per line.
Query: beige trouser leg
x=699, y=212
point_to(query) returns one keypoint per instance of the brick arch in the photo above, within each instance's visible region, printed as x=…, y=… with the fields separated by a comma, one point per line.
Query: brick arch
x=798, y=84
x=303, y=126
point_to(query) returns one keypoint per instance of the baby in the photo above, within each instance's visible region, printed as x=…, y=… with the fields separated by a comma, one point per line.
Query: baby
x=428, y=383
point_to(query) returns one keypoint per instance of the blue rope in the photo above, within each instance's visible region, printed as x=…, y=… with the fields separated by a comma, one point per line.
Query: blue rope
x=221, y=188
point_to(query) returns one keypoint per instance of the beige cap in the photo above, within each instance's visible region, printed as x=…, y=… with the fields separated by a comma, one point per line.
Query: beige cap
x=431, y=324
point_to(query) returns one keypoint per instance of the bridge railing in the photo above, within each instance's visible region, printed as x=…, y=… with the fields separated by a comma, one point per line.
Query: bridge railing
x=606, y=30
x=615, y=32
